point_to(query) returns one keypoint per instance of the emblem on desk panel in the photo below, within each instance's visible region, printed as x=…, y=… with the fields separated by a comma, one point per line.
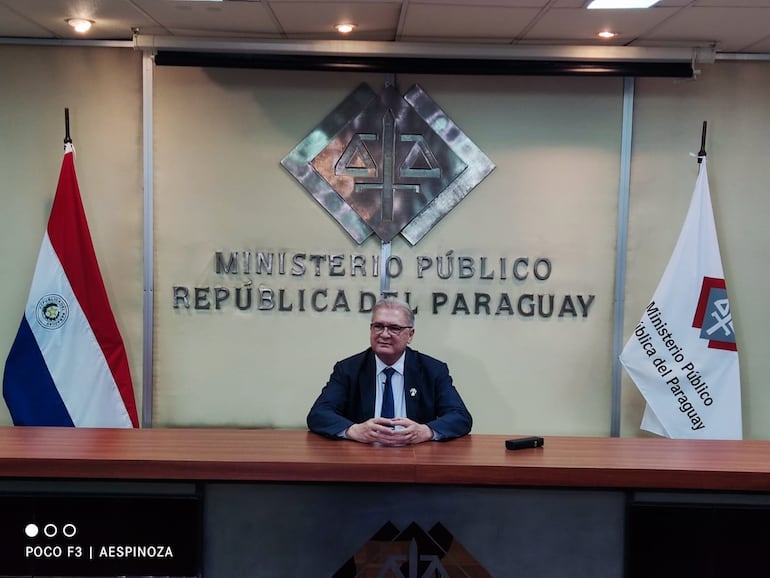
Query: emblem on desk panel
x=713, y=316
x=388, y=164
x=412, y=553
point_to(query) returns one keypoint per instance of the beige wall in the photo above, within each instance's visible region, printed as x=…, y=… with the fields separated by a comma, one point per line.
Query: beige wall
x=102, y=89
x=668, y=118
x=219, y=186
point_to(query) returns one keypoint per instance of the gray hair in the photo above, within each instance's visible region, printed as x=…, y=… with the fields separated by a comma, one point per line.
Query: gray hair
x=394, y=303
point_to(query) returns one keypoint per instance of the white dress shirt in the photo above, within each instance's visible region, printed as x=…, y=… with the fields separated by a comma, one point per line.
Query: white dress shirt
x=397, y=384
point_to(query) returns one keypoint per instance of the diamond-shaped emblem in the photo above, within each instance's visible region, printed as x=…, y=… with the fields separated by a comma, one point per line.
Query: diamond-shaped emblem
x=387, y=164
x=412, y=552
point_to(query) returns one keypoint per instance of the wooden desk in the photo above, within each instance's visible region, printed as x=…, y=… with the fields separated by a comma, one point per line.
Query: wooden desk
x=290, y=503
x=290, y=455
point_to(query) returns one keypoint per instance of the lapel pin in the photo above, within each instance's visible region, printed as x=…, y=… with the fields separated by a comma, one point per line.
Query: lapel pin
x=413, y=392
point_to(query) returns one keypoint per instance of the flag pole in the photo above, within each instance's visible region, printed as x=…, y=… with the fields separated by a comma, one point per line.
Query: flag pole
x=67, y=138
x=702, y=151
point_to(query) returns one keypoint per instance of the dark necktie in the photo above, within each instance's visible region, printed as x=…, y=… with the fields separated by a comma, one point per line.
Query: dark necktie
x=387, y=394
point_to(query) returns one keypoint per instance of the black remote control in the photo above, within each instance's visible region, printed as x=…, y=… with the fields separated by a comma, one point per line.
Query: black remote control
x=524, y=443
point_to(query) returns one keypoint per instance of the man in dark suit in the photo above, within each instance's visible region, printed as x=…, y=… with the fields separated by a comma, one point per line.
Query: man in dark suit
x=390, y=394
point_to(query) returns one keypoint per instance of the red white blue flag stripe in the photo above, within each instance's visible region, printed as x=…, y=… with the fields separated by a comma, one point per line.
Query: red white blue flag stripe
x=68, y=365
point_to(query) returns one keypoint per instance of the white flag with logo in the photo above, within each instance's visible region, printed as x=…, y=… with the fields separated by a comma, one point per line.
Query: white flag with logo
x=682, y=355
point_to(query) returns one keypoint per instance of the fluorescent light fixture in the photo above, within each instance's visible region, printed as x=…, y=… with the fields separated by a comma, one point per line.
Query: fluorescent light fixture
x=621, y=4
x=81, y=25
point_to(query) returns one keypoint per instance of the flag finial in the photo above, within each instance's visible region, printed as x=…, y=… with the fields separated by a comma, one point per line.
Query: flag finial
x=67, y=139
x=702, y=151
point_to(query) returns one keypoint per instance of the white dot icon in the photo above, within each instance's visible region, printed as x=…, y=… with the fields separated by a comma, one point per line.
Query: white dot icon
x=31, y=530
x=69, y=530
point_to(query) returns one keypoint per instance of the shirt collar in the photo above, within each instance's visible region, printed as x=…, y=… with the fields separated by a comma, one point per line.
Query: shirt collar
x=398, y=366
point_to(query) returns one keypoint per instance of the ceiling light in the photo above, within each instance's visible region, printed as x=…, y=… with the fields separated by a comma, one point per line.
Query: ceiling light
x=345, y=28
x=621, y=4
x=606, y=34
x=81, y=25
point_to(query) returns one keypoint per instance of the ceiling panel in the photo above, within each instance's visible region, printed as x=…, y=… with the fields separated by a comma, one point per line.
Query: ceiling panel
x=373, y=20
x=211, y=18
x=733, y=3
x=732, y=25
x=113, y=19
x=490, y=3
x=730, y=29
x=13, y=24
x=579, y=26
x=466, y=22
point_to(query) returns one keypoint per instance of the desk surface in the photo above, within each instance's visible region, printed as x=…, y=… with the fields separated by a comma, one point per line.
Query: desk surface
x=292, y=455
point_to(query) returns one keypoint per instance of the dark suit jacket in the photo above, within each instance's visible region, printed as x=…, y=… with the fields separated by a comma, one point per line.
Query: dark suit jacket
x=350, y=394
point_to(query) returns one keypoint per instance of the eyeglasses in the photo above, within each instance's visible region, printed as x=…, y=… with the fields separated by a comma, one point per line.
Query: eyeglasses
x=393, y=329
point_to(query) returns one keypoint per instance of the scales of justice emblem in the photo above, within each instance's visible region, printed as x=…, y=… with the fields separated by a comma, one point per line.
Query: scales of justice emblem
x=388, y=164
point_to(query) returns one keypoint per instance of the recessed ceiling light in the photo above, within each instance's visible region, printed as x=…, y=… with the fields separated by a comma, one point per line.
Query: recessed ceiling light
x=345, y=28
x=81, y=25
x=606, y=34
x=621, y=4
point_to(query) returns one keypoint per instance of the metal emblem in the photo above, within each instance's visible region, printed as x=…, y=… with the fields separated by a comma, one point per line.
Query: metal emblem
x=388, y=164
x=413, y=553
